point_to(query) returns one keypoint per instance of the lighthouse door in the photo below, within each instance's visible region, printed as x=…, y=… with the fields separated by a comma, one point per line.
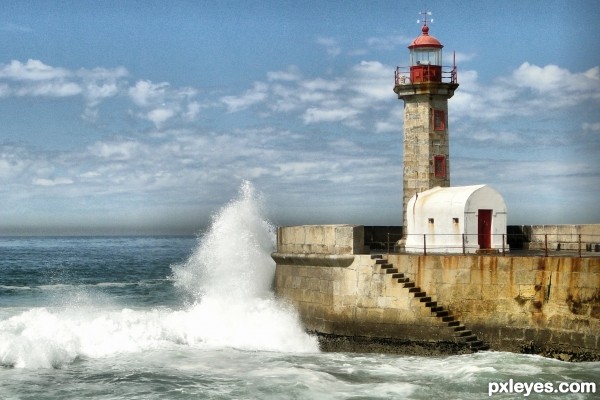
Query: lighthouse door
x=484, y=228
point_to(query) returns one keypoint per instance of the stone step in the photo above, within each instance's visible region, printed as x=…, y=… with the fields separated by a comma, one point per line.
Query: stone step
x=460, y=331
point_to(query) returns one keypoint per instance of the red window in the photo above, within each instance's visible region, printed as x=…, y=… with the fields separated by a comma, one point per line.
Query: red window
x=439, y=166
x=439, y=120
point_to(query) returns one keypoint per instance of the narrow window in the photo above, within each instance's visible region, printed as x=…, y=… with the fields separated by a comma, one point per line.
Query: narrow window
x=439, y=166
x=455, y=220
x=439, y=120
x=431, y=220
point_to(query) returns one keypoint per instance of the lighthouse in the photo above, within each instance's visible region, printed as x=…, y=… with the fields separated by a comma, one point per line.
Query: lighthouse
x=425, y=86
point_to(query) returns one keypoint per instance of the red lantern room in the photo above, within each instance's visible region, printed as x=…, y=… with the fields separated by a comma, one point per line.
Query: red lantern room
x=425, y=58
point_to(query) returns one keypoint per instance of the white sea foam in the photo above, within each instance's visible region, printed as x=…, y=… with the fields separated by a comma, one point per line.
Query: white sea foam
x=9, y=287
x=233, y=258
x=229, y=277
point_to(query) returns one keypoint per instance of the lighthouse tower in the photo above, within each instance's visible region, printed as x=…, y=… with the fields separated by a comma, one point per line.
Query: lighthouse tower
x=425, y=87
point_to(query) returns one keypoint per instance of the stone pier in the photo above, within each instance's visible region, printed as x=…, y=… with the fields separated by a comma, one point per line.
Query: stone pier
x=542, y=305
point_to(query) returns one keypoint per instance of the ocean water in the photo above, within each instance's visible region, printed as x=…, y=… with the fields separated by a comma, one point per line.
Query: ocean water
x=195, y=318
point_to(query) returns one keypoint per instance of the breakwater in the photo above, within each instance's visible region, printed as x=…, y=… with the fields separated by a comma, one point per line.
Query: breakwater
x=414, y=303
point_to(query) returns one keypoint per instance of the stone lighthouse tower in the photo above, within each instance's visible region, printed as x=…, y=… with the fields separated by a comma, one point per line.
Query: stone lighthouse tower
x=425, y=87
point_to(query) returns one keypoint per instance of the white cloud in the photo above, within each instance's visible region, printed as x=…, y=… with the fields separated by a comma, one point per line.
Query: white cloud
x=314, y=115
x=37, y=79
x=32, y=70
x=160, y=115
x=192, y=111
x=458, y=57
x=551, y=78
x=146, y=93
x=251, y=97
x=34, y=78
x=102, y=74
x=117, y=150
x=393, y=122
x=160, y=102
x=291, y=74
x=528, y=90
x=359, y=92
x=168, y=166
x=372, y=81
x=95, y=92
x=591, y=127
x=52, y=182
x=389, y=42
x=320, y=84
x=331, y=46
x=50, y=89
x=102, y=83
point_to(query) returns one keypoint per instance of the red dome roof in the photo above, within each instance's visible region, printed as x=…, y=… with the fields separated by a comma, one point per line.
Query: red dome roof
x=424, y=40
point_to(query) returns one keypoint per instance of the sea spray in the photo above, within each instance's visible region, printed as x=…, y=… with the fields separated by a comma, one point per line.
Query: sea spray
x=233, y=258
x=228, y=276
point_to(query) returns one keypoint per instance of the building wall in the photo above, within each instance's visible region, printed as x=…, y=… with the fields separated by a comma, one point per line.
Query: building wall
x=544, y=305
x=422, y=142
x=445, y=214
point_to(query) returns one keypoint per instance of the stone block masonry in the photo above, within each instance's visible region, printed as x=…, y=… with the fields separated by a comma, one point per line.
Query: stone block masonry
x=321, y=239
x=542, y=305
x=557, y=237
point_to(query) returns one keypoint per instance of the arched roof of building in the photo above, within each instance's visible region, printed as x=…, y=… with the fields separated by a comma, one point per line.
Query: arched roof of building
x=455, y=200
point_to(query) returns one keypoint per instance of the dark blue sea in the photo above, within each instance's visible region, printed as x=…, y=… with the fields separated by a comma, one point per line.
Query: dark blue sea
x=195, y=318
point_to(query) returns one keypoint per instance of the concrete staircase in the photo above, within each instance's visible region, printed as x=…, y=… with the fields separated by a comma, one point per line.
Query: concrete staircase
x=461, y=333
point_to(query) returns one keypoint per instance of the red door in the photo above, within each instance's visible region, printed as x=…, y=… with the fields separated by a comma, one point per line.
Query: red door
x=484, y=228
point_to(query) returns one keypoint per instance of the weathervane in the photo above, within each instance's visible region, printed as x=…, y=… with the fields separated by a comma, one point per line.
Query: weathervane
x=424, y=20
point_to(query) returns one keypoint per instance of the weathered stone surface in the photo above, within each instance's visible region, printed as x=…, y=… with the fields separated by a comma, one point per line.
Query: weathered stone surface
x=321, y=239
x=561, y=237
x=543, y=305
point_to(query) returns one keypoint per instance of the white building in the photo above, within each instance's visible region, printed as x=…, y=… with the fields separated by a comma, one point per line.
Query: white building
x=456, y=219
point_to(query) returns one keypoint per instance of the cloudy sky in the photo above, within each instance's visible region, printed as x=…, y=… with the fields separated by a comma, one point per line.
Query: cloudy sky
x=146, y=116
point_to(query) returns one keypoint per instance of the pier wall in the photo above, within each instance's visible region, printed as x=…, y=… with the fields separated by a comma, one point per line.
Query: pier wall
x=541, y=305
x=558, y=237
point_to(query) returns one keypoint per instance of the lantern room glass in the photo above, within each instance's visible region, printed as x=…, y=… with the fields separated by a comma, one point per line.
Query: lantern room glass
x=426, y=56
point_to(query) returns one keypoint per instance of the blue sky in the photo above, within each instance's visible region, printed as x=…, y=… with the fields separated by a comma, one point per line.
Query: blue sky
x=146, y=116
